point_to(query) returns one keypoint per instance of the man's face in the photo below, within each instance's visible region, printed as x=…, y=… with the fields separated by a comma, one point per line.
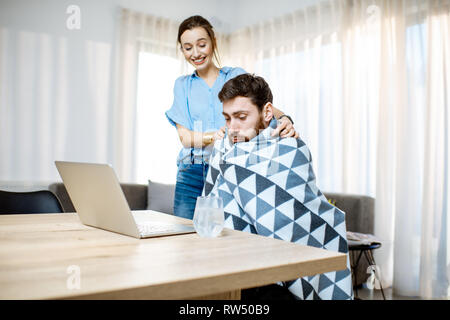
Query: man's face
x=243, y=119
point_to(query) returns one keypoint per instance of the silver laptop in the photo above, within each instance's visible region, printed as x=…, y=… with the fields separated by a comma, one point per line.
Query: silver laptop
x=99, y=201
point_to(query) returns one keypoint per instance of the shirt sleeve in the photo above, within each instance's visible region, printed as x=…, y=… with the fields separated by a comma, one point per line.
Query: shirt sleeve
x=236, y=72
x=178, y=113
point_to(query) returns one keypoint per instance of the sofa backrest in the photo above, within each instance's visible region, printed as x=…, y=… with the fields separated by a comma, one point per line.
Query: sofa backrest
x=359, y=210
x=136, y=195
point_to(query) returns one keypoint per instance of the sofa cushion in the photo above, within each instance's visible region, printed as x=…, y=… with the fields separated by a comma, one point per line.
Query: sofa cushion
x=160, y=197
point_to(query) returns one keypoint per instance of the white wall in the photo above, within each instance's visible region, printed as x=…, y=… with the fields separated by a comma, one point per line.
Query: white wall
x=238, y=14
x=225, y=15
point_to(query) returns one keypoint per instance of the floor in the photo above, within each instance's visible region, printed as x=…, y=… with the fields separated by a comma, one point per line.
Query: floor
x=368, y=294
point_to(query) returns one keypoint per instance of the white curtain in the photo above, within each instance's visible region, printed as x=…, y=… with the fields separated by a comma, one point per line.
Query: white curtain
x=434, y=237
x=412, y=168
x=367, y=83
x=321, y=63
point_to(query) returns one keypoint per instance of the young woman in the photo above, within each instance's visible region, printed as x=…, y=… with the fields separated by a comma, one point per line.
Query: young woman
x=197, y=112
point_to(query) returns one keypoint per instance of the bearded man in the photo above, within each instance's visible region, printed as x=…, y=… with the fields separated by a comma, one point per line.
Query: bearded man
x=269, y=188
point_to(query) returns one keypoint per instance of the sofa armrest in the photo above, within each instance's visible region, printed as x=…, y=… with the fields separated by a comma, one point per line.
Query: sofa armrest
x=61, y=193
x=359, y=217
x=359, y=211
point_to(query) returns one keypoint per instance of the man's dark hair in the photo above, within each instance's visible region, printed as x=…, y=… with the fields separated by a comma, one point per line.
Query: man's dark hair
x=247, y=85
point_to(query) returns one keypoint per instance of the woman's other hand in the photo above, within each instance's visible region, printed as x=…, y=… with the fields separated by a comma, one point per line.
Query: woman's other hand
x=285, y=129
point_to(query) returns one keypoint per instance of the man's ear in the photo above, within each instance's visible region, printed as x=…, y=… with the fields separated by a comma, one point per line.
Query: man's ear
x=268, y=112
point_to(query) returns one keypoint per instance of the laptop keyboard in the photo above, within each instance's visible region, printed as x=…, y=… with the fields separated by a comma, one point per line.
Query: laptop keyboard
x=146, y=228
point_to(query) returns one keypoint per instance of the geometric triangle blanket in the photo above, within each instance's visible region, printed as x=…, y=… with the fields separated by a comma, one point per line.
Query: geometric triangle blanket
x=268, y=187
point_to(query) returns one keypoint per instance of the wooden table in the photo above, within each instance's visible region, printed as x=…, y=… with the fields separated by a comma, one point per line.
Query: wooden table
x=54, y=256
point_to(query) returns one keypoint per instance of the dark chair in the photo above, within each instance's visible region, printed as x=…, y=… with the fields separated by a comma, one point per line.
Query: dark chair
x=29, y=202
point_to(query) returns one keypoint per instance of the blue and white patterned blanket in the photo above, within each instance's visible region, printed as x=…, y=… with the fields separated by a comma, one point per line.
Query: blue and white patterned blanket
x=268, y=187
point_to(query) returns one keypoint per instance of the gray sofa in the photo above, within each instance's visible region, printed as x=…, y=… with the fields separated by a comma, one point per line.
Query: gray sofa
x=359, y=210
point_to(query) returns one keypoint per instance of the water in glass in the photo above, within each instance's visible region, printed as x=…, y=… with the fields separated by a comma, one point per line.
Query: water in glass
x=208, y=216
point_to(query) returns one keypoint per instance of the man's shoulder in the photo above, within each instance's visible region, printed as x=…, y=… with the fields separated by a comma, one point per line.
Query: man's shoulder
x=291, y=141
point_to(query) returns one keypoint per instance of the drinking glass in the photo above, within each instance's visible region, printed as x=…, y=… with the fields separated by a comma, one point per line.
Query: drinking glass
x=208, y=216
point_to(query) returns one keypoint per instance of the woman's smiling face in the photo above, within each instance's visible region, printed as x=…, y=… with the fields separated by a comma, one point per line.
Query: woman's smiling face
x=197, y=48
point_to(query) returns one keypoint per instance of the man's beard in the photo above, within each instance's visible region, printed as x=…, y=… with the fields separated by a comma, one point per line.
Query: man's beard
x=260, y=126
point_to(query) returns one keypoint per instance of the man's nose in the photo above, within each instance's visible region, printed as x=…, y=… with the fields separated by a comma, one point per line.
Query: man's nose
x=232, y=127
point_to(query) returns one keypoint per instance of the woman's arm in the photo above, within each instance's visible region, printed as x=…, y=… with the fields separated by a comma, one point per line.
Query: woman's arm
x=194, y=139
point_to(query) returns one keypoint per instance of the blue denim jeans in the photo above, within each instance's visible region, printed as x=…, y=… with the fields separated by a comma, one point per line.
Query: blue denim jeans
x=190, y=181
